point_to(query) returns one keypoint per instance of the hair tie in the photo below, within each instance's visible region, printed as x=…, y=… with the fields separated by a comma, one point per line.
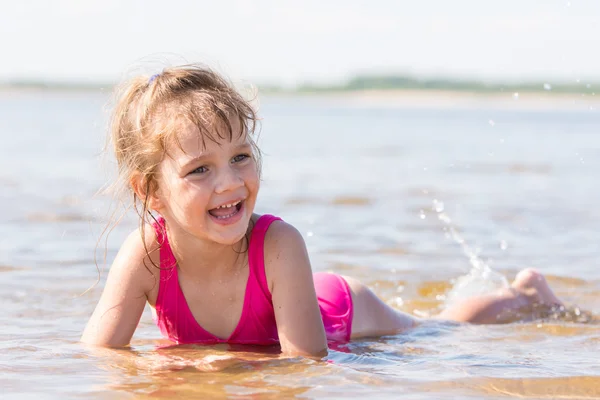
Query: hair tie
x=152, y=78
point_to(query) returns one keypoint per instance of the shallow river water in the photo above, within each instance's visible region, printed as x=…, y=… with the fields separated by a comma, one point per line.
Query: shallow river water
x=406, y=196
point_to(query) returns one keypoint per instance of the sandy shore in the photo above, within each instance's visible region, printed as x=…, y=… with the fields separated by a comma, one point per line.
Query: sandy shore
x=453, y=99
x=394, y=98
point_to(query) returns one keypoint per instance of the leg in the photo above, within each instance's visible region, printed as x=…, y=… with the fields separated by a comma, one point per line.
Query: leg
x=528, y=291
x=372, y=317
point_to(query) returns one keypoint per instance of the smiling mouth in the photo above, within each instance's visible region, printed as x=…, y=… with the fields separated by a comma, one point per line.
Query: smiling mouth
x=226, y=211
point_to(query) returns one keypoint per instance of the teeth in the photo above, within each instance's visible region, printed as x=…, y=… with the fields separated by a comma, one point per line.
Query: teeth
x=229, y=205
x=227, y=216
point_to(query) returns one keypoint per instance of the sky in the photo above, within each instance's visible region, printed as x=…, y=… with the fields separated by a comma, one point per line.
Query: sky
x=293, y=42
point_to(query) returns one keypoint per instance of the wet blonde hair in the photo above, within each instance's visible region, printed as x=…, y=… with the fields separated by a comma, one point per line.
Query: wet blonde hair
x=150, y=111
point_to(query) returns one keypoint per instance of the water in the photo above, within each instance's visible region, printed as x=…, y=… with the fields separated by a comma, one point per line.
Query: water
x=364, y=180
x=481, y=279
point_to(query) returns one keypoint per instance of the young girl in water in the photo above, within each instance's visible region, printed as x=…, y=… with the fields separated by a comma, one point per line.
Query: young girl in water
x=211, y=269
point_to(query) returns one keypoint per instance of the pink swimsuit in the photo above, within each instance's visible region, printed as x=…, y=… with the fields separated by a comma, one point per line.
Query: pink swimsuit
x=257, y=323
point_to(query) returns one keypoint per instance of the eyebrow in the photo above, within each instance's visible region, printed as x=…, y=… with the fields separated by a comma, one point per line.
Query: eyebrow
x=205, y=155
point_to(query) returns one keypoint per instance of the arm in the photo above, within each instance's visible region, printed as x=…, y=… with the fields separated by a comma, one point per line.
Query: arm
x=122, y=302
x=299, y=322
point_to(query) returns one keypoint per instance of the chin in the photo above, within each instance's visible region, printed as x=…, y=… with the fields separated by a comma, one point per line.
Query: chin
x=231, y=237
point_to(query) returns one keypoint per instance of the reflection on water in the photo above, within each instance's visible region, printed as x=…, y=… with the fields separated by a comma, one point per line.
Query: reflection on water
x=407, y=198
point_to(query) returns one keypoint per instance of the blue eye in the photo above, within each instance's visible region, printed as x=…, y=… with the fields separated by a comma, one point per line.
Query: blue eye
x=240, y=157
x=199, y=170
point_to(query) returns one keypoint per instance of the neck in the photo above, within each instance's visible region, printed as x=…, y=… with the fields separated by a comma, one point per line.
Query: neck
x=201, y=258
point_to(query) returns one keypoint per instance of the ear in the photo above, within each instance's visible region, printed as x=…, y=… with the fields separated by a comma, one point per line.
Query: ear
x=142, y=187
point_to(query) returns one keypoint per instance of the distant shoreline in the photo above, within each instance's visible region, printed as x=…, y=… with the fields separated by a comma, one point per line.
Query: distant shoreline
x=367, y=92
x=447, y=99
x=55, y=87
x=359, y=84
x=395, y=83
x=504, y=97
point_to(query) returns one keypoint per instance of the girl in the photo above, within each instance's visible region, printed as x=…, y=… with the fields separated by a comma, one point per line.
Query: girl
x=212, y=270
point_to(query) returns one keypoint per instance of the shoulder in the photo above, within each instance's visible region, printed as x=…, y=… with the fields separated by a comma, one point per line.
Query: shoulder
x=285, y=253
x=139, y=258
x=282, y=236
x=142, y=246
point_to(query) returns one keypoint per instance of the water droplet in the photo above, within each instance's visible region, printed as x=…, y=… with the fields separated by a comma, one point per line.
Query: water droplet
x=438, y=206
x=309, y=234
x=503, y=245
x=547, y=86
x=588, y=86
x=491, y=122
x=516, y=95
x=422, y=214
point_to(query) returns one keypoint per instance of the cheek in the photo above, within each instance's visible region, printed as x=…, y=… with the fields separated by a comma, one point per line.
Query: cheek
x=251, y=179
x=196, y=192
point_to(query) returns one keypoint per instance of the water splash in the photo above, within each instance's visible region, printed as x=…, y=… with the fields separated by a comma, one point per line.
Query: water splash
x=481, y=278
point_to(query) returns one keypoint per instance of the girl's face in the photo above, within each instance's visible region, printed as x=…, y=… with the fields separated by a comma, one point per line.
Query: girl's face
x=208, y=190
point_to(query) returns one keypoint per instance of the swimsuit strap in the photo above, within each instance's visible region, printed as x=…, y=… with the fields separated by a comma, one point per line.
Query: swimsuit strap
x=256, y=251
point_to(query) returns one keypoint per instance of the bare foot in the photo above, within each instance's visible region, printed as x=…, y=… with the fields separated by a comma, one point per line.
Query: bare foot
x=533, y=285
x=528, y=298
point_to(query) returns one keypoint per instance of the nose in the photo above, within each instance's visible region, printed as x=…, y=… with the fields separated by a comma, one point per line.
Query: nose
x=228, y=179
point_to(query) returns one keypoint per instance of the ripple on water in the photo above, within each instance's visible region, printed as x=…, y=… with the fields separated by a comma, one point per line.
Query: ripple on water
x=394, y=250
x=496, y=169
x=59, y=217
x=433, y=289
x=351, y=201
x=347, y=251
x=570, y=387
x=347, y=268
x=556, y=327
x=422, y=192
x=568, y=281
x=71, y=200
x=385, y=151
x=8, y=182
x=540, y=169
x=302, y=201
x=8, y=268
